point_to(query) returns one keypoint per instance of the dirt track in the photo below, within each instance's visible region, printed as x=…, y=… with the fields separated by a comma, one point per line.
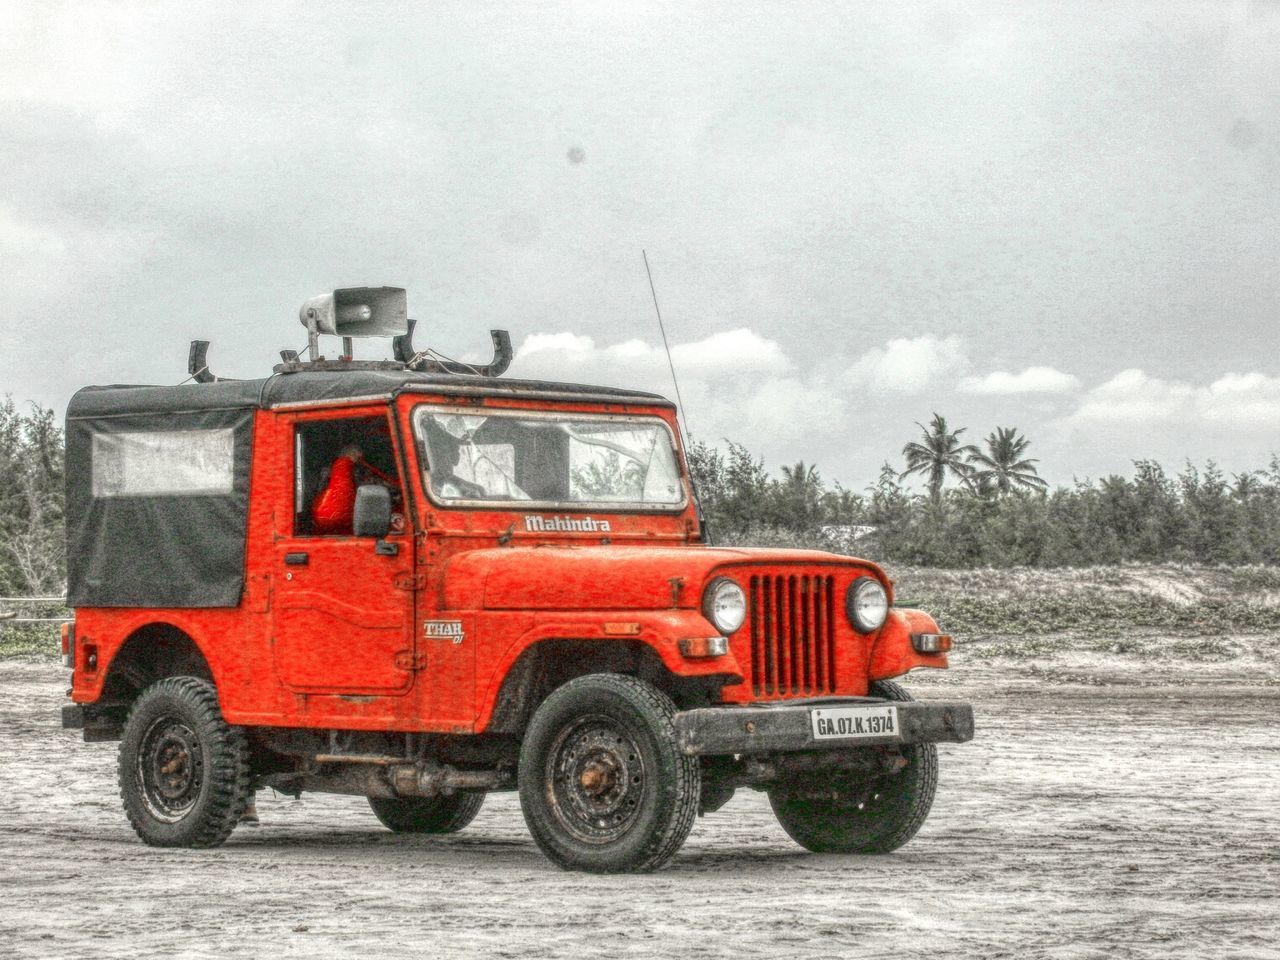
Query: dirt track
x=1084, y=821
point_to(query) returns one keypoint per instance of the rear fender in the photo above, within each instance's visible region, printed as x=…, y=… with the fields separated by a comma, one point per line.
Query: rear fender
x=120, y=643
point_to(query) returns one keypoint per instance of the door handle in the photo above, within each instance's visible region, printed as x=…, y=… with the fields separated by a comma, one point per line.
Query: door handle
x=296, y=559
x=385, y=548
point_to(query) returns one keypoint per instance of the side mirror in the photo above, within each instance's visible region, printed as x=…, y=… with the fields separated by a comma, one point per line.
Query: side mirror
x=373, y=511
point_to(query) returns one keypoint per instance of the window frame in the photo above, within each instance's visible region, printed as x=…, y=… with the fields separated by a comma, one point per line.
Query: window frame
x=296, y=426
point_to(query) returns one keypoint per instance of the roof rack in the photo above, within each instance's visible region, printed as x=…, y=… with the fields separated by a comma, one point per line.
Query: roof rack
x=351, y=312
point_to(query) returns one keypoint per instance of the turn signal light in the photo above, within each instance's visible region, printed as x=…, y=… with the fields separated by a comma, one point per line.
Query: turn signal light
x=69, y=645
x=931, y=642
x=695, y=647
x=618, y=629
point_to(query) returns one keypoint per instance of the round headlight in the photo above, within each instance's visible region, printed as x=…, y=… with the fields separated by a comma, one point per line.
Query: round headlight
x=724, y=604
x=866, y=604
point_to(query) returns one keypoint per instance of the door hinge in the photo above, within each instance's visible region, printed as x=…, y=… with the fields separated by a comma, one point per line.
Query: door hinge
x=408, y=660
x=409, y=581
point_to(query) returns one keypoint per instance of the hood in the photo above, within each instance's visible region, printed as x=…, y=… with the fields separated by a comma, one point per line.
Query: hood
x=555, y=577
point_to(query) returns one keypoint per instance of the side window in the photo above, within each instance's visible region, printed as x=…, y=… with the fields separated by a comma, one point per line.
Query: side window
x=331, y=458
x=163, y=463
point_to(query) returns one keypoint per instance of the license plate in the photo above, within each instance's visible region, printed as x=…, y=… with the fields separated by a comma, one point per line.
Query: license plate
x=845, y=723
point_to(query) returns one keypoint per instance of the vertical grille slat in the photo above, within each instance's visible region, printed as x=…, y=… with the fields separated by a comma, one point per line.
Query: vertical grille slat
x=792, y=659
x=831, y=633
x=819, y=648
x=809, y=645
x=753, y=612
x=767, y=604
x=793, y=634
x=806, y=630
x=780, y=624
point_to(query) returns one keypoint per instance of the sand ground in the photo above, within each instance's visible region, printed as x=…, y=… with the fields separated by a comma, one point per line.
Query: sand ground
x=1099, y=813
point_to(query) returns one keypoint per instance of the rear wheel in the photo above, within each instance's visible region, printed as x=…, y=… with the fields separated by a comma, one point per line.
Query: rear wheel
x=849, y=814
x=427, y=814
x=183, y=771
x=602, y=784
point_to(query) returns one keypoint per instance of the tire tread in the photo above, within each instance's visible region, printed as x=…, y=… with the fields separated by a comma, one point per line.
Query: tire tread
x=821, y=837
x=928, y=758
x=427, y=815
x=686, y=787
x=227, y=768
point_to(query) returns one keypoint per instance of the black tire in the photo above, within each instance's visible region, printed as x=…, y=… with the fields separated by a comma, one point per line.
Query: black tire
x=855, y=815
x=602, y=784
x=427, y=814
x=184, y=773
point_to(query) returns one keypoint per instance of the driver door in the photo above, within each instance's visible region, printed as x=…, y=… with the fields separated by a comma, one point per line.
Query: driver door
x=343, y=605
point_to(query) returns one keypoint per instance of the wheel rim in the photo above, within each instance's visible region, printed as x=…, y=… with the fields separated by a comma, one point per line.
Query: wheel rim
x=170, y=769
x=596, y=779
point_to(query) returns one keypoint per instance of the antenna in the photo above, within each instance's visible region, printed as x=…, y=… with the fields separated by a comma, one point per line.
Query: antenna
x=663, y=330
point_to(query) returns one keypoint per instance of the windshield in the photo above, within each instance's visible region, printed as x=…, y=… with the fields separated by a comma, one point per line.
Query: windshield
x=554, y=459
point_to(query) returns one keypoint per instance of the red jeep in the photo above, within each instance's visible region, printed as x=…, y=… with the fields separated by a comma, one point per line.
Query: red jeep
x=520, y=596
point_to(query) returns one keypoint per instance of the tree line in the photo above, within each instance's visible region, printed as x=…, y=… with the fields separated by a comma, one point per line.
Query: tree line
x=998, y=510
x=32, y=541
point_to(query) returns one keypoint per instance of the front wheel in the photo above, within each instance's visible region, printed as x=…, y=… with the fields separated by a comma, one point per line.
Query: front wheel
x=602, y=784
x=849, y=814
x=184, y=772
x=427, y=814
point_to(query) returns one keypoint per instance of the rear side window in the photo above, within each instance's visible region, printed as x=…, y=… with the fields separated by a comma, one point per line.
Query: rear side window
x=163, y=463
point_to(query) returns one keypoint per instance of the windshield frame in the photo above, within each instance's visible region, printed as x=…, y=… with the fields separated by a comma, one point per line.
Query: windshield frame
x=563, y=506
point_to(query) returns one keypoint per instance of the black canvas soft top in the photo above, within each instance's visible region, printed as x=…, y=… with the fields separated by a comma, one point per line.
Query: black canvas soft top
x=326, y=386
x=143, y=530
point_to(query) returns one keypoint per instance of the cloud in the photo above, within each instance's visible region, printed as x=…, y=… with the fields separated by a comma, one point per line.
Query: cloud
x=1240, y=400
x=173, y=174
x=734, y=351
x=912, y=365
x=735, y=383
x=1033, y=380
x=741, y=385
x=738, y=352
x=1237, y=402
x=1133, y=397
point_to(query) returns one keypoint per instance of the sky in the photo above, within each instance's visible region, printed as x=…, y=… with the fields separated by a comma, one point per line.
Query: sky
x=1061, y=217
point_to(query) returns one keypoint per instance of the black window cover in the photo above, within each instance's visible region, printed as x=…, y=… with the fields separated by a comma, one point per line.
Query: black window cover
x=149, y=550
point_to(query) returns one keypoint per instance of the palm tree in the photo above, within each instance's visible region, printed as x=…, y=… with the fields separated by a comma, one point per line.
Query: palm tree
x=802, y=476
x=1247, y=485
x=802, y=488
x=1003, y=468
x=937, y=453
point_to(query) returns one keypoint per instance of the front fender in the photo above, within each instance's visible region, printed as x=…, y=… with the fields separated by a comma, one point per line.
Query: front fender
x=659, y=630
x=892, y=654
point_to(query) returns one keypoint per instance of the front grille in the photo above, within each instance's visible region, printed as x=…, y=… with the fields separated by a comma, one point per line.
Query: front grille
x=793, y=637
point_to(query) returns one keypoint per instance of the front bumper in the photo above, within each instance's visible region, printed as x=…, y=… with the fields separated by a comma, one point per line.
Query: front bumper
x=786, y=727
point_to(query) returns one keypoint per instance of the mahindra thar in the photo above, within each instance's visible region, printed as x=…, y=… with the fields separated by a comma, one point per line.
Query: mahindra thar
x=415, y=581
